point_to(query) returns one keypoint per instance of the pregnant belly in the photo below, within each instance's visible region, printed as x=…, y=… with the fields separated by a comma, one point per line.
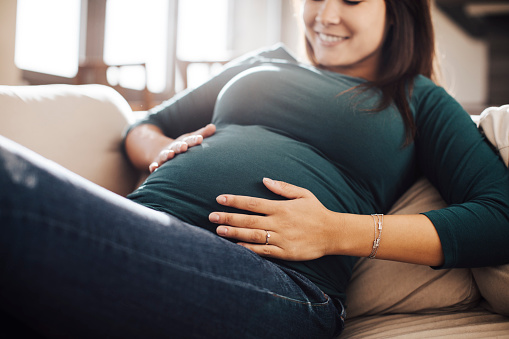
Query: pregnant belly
x=234, y=161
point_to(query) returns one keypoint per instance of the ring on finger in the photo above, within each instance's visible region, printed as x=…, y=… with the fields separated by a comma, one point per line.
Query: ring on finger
x=267, y=237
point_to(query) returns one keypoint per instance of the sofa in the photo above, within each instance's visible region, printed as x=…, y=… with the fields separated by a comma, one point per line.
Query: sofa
x=80, y=127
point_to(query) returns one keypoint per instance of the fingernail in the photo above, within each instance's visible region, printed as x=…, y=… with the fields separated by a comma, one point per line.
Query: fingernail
x=221, y=199
x=268, y=181
x=170, y=151
x=214, y=217
x=153, y=166
x=222, y=230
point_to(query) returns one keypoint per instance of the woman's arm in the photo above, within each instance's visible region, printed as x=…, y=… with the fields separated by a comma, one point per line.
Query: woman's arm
x=452, y=154
x=320, y=232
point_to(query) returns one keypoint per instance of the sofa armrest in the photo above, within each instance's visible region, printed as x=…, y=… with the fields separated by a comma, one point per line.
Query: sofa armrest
x=80, y=127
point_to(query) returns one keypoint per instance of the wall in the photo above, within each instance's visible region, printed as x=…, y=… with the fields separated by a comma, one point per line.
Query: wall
x=256, y=23
x=254, y=27
x=9, y=73
x=464, y=62
x=292, y=30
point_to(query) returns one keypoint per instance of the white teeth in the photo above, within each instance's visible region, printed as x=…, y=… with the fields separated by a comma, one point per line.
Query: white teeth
x=330, y=38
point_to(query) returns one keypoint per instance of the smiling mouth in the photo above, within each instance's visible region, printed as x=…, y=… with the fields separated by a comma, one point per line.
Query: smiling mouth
x=330, y=38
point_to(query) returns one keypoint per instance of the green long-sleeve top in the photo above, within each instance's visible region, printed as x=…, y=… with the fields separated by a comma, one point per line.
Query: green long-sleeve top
x=284, y=120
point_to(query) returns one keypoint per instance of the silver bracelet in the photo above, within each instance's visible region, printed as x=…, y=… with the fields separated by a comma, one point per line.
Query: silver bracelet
x=379, y=221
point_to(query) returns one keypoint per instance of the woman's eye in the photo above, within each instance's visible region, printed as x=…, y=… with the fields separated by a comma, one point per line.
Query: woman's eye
x=352, y=2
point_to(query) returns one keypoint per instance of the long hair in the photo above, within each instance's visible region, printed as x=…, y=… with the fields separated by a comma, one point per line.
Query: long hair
x=408, y=50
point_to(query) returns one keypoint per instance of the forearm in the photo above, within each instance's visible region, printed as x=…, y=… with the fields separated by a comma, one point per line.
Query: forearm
x=144, y=143
x=406, y=238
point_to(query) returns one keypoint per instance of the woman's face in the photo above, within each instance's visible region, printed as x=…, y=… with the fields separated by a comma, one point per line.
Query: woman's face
x=346, y=36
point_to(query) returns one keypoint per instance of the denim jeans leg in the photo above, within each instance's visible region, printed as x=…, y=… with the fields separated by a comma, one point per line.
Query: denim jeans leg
x=79, y=261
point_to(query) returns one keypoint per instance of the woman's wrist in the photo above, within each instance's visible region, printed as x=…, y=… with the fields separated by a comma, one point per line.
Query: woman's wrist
x=143, y=145
x=356, y=236
x=406, y=238
x=148, y=147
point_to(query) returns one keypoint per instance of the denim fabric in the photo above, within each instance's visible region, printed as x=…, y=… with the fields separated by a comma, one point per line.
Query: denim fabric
x=79, y=261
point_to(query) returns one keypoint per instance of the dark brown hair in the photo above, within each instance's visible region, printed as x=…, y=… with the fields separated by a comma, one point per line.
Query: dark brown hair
x=408, y=50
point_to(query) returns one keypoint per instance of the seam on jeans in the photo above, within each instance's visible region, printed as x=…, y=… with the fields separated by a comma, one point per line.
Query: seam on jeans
x=120, y=247
x=309, y=303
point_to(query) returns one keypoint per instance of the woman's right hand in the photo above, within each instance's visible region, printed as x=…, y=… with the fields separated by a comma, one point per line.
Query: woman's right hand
x=181, y=145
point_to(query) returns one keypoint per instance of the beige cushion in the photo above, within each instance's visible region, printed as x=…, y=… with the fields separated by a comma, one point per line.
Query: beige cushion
x=385, y=287
x=79, y=127
x=493, y=282
x=472, y=324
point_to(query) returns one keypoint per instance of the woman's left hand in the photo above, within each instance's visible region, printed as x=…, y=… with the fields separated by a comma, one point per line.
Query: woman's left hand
x=300, y=228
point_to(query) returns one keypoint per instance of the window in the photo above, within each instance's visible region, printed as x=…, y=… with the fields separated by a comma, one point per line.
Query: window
x=77, y=41
x=84, y=41
x=47, y=40
x=203, y=29
x=204, y=40
x=136, y=31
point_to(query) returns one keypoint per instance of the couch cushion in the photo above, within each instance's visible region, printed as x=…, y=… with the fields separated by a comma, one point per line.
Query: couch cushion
x=385, y=287
x=493, y=282
x=79, y=127
x=469, y=324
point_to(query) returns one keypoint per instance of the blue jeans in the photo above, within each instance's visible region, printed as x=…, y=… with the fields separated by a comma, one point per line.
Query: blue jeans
x=79, y=261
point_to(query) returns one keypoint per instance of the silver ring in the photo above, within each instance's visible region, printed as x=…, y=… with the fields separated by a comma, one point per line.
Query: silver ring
x=267, y=237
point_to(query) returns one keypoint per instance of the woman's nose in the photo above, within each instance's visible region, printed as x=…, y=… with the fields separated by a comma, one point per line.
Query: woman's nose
x=329, y=13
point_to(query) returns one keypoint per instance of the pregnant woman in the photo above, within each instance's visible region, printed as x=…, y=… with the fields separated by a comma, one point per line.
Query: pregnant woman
x=250, y=226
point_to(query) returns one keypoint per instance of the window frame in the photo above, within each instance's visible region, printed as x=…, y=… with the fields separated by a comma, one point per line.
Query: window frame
x=91, y=40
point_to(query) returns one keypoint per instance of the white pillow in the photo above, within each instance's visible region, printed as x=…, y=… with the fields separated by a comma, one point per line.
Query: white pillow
x=494, y=122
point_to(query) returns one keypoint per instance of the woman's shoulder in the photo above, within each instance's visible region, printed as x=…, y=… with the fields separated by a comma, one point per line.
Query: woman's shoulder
x=423, y=84
x=425, y=90
x=432, y=102
x=277, y=52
